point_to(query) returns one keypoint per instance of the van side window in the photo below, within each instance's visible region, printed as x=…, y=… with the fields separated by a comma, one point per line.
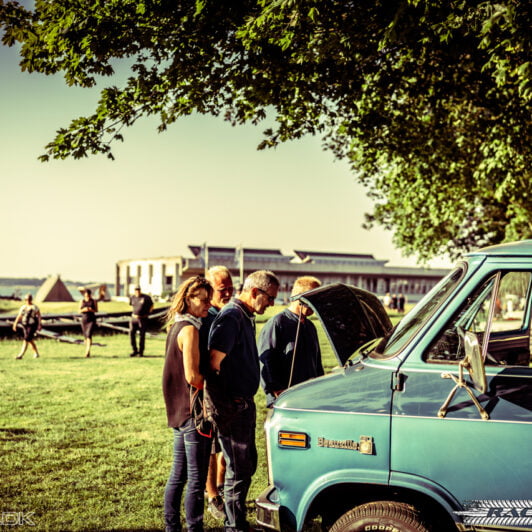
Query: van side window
x=501, y=318
x=511, y=302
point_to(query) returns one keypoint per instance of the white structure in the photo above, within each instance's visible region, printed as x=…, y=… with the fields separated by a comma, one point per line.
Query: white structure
x=161, y=276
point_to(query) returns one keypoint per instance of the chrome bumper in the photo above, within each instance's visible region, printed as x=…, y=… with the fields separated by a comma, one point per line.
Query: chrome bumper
x=267, y=511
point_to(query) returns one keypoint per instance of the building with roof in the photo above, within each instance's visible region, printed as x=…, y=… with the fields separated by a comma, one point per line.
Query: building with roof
x=162, y=275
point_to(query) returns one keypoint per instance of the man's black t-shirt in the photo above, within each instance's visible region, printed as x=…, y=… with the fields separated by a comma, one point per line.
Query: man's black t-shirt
x=141, y=304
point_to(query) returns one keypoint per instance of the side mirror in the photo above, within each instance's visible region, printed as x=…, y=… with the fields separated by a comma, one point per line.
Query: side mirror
x=473, y=362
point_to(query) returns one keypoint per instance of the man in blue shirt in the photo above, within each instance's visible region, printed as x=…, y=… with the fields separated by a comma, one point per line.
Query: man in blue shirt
x=289, y=349
x=234, y=358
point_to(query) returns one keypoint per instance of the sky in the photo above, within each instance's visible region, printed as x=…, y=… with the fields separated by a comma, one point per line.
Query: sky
x=201, y=181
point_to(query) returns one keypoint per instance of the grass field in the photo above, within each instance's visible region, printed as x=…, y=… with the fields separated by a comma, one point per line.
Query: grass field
x=84, y=443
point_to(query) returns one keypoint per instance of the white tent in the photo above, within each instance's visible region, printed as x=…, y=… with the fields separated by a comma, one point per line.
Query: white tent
x=53, y=289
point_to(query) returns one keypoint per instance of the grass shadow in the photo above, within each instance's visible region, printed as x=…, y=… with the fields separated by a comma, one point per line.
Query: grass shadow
x=15, y=434
x=141, y=529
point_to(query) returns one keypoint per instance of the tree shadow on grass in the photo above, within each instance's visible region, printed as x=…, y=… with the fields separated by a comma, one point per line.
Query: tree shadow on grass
x=114, y=357
x=123, y=529
x=207, y=529
x=15, y=433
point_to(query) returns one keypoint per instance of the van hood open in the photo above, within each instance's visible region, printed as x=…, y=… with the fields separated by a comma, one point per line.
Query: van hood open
x=350, y=316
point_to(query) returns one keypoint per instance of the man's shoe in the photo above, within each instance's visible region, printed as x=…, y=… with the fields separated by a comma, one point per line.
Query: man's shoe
x=215, y=506
x=134, y=354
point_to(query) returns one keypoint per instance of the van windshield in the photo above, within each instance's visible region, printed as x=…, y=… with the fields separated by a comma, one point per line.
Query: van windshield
x=414, y=320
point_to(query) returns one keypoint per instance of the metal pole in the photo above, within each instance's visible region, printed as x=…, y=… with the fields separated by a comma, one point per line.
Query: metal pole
x=206, y=257
x=241, y=264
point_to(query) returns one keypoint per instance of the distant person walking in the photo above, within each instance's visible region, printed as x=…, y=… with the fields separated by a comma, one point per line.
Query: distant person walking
x=142, y=306
x=88, y=308
x=29, y=317
x=401, y=302
x=181, y=380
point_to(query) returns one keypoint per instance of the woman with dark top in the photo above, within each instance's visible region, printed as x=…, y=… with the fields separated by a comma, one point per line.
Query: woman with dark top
x=88, y=308
x=29, y=316
x=181, y=378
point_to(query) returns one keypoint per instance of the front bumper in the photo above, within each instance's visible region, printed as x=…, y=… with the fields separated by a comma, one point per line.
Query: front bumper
x=267, y=510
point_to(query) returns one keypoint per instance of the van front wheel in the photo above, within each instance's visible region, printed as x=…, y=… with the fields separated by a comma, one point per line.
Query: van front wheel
x=384, y=516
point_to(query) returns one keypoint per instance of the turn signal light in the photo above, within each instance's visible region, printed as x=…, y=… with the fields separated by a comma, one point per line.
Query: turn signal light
x=293, y=439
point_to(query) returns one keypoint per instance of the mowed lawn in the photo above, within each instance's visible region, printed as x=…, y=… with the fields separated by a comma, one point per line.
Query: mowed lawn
x=84, y=443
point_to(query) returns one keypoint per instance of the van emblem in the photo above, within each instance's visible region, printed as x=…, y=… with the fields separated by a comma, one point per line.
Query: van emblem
x=363, y=446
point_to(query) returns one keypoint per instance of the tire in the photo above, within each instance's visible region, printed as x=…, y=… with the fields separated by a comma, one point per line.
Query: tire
x=384, y=516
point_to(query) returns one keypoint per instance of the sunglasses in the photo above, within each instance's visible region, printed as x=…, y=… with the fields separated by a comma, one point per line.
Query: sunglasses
x=271, y=299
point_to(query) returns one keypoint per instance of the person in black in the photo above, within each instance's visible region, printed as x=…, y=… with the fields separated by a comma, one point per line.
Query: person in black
x=88, y=308
x=182, y=378
x=29, y=316
x=235, y=367
x=401, y=300
x=142, y=305
x=289, y=349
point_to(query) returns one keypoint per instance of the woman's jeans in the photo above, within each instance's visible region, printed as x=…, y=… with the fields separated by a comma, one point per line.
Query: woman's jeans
x=190, y=466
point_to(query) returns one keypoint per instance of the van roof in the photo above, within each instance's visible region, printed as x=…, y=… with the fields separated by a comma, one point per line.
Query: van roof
x=510, y=249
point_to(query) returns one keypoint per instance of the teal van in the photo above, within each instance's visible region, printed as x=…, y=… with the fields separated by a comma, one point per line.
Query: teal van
x=424, y=427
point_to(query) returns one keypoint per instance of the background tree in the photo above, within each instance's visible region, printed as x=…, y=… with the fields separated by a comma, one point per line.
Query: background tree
x=428, y=100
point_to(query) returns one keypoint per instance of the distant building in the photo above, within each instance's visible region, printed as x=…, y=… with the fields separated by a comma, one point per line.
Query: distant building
x=161, y=276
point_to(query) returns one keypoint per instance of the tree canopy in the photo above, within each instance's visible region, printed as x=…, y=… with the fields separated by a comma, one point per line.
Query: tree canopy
x=429, y=101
